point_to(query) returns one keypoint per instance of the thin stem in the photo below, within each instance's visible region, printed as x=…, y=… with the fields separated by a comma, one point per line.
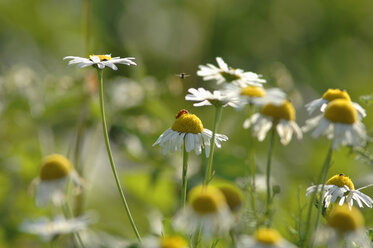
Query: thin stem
x=321, y=179
x=112, y=164
x=233, y=238
x=184, y=176
x=268, y=171
x=68, y=214
x=218, y=112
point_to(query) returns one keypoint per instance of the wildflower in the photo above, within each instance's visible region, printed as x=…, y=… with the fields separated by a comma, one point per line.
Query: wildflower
x=265, y=238
x=205, y=97
x=189, y=127
x=341, y=188
x=223, y=73
x=173, y=241
x=345, y=225
x=280, y=116
x=233, y=196
x=340, y=123
x=330, y=95
x=48, y=229
x=207, y=209
x=55, y=172
x=100, y=61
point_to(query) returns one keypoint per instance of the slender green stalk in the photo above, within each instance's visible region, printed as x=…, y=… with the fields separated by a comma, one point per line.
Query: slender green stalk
x=233, y=238
x=321, y=179
x=112, y=164
x=218, y=112
x=197, y=237
x=268, y=171
x=68, y=214
x=184, y=176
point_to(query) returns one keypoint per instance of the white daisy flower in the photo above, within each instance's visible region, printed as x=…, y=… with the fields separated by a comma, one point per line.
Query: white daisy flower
x=189, y=127
x=345, y=226
x=206, y=98
x=48, y=229
x=340, y=123
x=330, y=95
x=100, y=61
x=207, y=209
x=173, y=241
x=281, y=117
x=56, y=171
x=340, y=188
x=264, y=238
x=256, y=95
x=223, y=73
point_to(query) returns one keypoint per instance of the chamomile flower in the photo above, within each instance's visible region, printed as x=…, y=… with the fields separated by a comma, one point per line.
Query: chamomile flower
x=256, y=95
x=345, y=225
x=48, y=229
x=340, y=188
x=207, y=208
x=330, y=95
x=56, y=170
x=223, y=74
x=100, y=61
x=233, y=196
x=281, y=117
x=206, y=98
x=340, y=123
x=173, y=241
x=189, y=127
x=264, y=238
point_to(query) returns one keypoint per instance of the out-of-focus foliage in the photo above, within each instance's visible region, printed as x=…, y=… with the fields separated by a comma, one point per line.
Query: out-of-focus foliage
x=303, y=47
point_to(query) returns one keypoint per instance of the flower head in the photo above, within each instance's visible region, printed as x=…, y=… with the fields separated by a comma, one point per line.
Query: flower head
x=55, y=172
x=331, y=95
x=282, y=117
x=207, y=207
x=188, y=129
x=205, y=97
x=100, y=61
x=341, y=188
x=265, y=238
x=223, y=74
x=233, y=196
x=174, y=241
x=340, y=123
x=48, y=229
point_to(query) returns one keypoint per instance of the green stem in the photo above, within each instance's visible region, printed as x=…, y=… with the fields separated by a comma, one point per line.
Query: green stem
x=268, y=171
x=68, y=214
x=233, y=238
x=112, y=164
x=321, y=179
x=184, y=176
x=218, y=112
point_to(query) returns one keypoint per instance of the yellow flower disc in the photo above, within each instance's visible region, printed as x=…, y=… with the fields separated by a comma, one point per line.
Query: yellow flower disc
x=229, y=77
x=341, y=180
x=284, y=111
x=253, y=91
x=173, y=242
x=206, y=199
x=232, y=195
x=341, y=111
x=345, y=220
x=54, y=167
x=332, y=94
x=101, y=57
x=187, y=123
x=268, y=236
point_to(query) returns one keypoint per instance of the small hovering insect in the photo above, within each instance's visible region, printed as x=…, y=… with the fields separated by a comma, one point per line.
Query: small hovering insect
x=182, y=75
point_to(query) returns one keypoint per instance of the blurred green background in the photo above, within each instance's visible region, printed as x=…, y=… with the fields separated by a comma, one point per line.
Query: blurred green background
x=303, y=47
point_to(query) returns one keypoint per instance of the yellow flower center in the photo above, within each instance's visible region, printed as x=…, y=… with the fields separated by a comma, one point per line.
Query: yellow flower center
x=229, y=76
x=341, y=180
x=284, y=111
x=332, y=94
x=232, y=195
x=344, y=220
x=341, y=111
x=253, y=91
x=173, y=242
x=267, y=236
x=54, y=167
x=206, y=199
x=187, y=123
x=101, y=57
